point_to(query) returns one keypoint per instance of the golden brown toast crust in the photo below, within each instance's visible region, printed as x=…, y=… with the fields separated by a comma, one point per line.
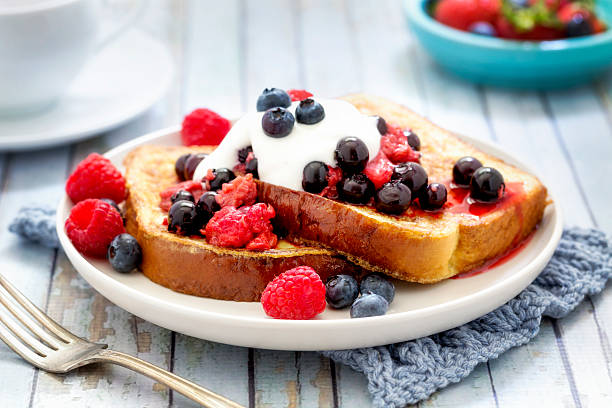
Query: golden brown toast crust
x=424, y=248
x=193, y=266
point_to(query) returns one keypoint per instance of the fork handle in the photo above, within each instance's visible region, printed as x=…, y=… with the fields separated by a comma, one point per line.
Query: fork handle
x=189, y=389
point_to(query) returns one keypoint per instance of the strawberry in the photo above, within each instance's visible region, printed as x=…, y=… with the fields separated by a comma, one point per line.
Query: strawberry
x=568, y=11
x=461, y=14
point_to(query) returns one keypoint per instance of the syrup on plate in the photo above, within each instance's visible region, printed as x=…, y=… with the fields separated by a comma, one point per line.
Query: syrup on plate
x=497, y=261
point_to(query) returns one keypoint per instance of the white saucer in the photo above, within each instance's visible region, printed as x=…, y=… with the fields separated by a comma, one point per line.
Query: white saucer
x=418, y=310
x=119, y=83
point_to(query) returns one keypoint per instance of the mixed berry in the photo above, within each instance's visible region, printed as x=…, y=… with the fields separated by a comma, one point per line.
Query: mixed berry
x=95, y=223
x=528, y=20
x=299, y=294
x=391, y=181
x=222, y=208
x=486, y=184
x=377, y=293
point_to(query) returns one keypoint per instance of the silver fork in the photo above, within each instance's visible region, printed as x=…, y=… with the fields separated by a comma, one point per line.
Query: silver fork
x=50, y=347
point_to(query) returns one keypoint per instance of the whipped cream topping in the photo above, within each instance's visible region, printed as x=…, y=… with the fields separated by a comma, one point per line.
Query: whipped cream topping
x=281, y=161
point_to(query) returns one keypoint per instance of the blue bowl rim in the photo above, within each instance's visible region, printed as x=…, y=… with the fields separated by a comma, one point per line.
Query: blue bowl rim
x=415, y=11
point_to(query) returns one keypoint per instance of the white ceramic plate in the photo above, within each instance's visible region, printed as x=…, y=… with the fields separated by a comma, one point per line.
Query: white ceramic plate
x=418, y=310
x=119, y=83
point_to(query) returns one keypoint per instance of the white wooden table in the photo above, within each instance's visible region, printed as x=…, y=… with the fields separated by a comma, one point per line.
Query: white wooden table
x=226, y=53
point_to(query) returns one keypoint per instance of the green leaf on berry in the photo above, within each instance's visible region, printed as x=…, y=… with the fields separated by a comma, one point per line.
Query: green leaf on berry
x=525, y=19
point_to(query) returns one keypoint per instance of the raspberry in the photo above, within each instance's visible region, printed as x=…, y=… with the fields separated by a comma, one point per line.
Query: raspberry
x=379, y=170
x=263, y=241
x=297, y=294
x=461, y=14
x=248, y=227
x=240, y=191
x=193, y=187
x=333, y=177
x=395, y=146
x=204, y=127
x=298, y=94
x=92, y=225
x=95, y=177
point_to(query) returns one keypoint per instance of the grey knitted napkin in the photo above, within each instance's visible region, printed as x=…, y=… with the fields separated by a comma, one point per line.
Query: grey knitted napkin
x=406, y=373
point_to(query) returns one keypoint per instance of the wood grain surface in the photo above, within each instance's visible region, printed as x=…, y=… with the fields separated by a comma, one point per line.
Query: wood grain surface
x=225, y=53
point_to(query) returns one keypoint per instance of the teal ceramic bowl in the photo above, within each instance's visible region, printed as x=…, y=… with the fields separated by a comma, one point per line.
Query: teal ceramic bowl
x=513, y=64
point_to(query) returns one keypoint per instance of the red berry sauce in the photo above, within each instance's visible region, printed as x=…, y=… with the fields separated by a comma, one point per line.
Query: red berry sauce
x=497, y=261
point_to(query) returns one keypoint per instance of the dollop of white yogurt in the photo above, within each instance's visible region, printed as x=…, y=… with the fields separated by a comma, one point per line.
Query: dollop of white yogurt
x=281, y=161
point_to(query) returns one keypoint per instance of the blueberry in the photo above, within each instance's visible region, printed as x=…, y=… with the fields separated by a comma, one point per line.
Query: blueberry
x=251, y=167
x=277, y=122
x=379, y=285
x=179, y=166
x=124, y=253
x=381, y=125
x=413, y=175
x=181, y=195
x=393, y=198
x=309, y=112
x=487, y=185
x=191, y=164
x=183, y=218
x=578, y=26
x=351, y=154
x=464, y=169
x=356, y=189
x=112, y=203
x=369, y=305
x=341, y=291
x=434, y=197
x=273, y=98
x=244, y=153
x=314, y=178
x=483, y=28
x=222, y=176
x=413, y=140
x=207, y=206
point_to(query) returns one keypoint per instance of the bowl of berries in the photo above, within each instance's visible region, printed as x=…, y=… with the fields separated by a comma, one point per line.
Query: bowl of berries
x=529, y=44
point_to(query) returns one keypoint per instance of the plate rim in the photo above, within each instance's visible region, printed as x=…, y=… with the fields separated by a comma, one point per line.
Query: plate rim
x=538, y=262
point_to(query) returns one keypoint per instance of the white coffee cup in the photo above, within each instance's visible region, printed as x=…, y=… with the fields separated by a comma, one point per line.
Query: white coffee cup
x=43, y=46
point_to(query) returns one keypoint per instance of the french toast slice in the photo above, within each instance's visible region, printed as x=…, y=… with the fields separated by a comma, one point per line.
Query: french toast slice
x=191, y=265
x=420, y=247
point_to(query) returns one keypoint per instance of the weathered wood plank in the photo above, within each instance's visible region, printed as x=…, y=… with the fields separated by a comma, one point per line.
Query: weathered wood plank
x=532, y=375
x=586, y=134
x=213, y=46
x=211, y=76
x=272, y=58
x=352, y=387
x=75, y=304
x=330, y=63
x=587, y=145
x=28, y=179
x=533, y=137
x=271, y=47
x=218, y=367
x=384, y=51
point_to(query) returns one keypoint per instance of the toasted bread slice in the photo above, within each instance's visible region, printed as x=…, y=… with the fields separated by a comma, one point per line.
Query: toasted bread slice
x=192, y=266
x=421, y=247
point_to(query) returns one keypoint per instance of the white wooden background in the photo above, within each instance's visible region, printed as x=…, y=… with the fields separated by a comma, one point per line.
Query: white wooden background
x=226, y=52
